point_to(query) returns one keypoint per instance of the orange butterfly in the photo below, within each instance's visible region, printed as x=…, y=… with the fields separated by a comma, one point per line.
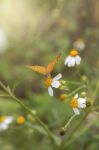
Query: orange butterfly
x=46, y=70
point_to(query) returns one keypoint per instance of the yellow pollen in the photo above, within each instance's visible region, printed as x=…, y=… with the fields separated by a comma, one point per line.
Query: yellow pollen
x=74, y=103
x=48, y=81
x=20, y=120
x=2, y=118
x=73, y=52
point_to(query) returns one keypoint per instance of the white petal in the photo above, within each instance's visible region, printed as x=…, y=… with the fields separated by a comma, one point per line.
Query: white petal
x=76, y=96
x=67, y=59
x=59, y=76
x=73, y=61
x=8, y=120
x=81, y=102
x=56, y=84
x=76, y=111
x=50, y=91
x=78, y=60
x=3, y=126
x=69, y=64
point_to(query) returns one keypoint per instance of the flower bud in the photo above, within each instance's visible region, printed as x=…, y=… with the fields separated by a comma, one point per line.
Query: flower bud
x=83, y=94
x=63, y=82
x=62, y=87
x=62, y=97
x=20, y=120
x=62, y=131
x=84, y=78
x=34, y=112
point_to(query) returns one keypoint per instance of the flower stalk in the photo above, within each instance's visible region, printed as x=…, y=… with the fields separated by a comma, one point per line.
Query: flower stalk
x=37, y=119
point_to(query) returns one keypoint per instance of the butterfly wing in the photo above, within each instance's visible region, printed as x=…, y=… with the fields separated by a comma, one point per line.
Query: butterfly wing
x=39, y=69
x=52, y=64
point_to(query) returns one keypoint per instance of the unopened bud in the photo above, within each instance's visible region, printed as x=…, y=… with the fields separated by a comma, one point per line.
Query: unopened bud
x=83, y=94
x=62, y=87
x=84, y=78
x=62, y=97
x=34, y=112
x=63, y=82
x=62, y=131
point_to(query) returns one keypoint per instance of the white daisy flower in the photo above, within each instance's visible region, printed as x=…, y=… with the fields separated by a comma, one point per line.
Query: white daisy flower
x=78, y=103
x=5, y=121
x=73, y=58
x=79, y=44
x=53, y=83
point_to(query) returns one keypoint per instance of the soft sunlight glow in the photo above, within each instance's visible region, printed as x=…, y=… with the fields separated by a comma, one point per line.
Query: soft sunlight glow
x=18, y=16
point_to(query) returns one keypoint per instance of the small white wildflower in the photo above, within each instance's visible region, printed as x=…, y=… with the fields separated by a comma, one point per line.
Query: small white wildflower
x=53, y=83
x=79, y=44
x=73, y=58
x=78, y=103
x=5, y=121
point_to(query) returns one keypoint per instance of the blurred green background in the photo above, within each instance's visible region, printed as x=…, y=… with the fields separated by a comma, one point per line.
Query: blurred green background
x=33, y=32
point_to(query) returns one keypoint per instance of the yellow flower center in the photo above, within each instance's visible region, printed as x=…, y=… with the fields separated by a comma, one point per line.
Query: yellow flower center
x=2, y=118
x=48, y=81
x=74, y=103
x=20, y=120
x=73, y=52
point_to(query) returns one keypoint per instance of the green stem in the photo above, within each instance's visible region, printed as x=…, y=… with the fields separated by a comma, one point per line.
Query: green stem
x=78, y=89
x=80, y=132
x=96, y=90
x=67, y=140
x=78, y=71
x=3, y=86
x=89, y=88
x=73, y=82
x=30, y=112
x=72, y=117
